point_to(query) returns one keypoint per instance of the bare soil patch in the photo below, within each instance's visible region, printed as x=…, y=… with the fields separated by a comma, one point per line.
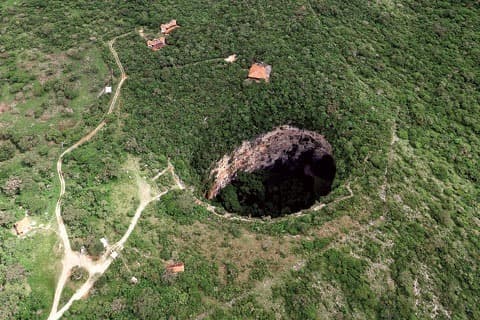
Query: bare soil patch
x=4, y=107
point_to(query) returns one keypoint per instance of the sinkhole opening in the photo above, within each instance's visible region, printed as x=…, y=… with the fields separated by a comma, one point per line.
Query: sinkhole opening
x=279, y=173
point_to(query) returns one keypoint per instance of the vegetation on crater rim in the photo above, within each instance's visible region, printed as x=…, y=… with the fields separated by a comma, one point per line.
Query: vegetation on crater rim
x=393, y=86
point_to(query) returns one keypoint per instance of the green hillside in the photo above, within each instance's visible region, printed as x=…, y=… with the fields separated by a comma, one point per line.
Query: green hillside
x=394, y=86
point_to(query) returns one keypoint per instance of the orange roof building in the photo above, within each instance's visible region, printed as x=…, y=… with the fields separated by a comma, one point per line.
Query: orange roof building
x=260, y=71
x=176, y=267
x=22, y=226
x=169, y=27
x=157, y=44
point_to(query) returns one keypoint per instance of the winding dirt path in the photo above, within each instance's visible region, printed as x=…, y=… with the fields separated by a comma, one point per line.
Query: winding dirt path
x=72, y=258
x=235, y=217
x=96, y=269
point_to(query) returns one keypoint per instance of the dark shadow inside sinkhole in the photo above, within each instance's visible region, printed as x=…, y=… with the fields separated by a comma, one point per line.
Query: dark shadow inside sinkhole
x=289, y=185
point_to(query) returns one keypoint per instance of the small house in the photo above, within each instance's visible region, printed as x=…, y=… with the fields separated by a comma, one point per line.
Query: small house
x=169, y=27
x=108, y=89
x=231, y=59
x=260, y=71
x=22, y=226
x=176, y=267
x=157, y=44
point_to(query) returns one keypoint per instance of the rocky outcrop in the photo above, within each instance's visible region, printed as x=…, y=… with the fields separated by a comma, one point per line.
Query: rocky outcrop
x=284, y=143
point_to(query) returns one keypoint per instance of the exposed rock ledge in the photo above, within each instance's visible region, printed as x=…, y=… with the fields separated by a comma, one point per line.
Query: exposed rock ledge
x=283, y=143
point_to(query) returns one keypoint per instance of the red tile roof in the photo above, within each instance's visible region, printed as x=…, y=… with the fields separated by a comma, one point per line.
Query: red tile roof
x=176, y=267
x=260, y=71
x=169, y=27
x=157, y=44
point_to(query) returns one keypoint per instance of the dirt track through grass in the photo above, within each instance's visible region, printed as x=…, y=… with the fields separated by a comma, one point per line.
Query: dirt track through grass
x=97, y=268
x=72, y=258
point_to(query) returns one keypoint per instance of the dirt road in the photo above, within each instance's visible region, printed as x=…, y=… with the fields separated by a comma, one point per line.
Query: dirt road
x=71, y=258
x=97, y=268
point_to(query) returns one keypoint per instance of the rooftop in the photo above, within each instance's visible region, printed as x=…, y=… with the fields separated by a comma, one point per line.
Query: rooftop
x=260, y=71
x=232, y=58
x=168, y=27
x=176, y=267
x=156, y=44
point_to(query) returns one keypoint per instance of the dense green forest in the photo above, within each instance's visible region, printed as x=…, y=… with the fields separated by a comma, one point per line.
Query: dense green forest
x=393, y=86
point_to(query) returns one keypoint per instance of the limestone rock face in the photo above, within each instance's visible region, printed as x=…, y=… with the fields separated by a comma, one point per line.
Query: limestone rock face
x=284, y=143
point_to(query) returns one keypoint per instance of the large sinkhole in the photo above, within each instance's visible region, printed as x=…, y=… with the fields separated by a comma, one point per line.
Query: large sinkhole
x=279, y=173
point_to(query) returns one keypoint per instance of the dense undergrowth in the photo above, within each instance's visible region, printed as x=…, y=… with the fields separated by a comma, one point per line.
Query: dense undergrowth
x=394, y=87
